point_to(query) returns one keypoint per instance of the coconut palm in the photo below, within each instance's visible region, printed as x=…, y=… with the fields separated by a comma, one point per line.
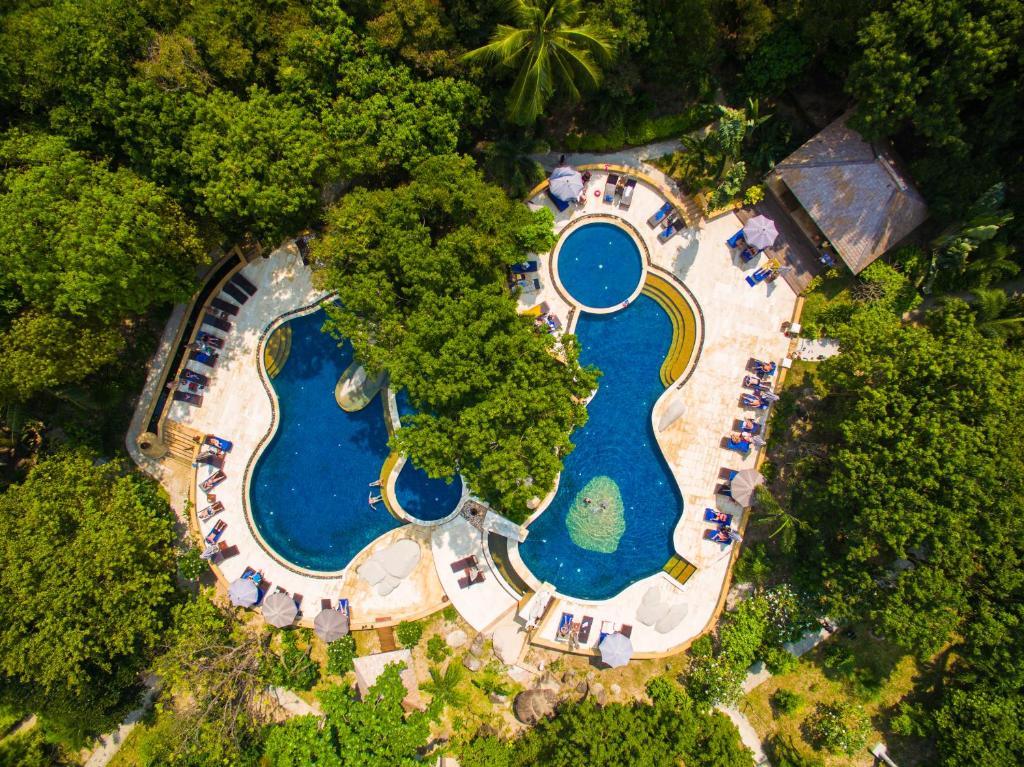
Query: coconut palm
x=443, y=687
x=552, y=50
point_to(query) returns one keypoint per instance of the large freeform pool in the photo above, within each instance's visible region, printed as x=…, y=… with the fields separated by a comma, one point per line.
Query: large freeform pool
x=310, y=486
x=600, y=265
x=612, y=519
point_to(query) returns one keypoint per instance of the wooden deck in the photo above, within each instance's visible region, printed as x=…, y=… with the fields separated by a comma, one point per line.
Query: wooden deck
x=792, y=248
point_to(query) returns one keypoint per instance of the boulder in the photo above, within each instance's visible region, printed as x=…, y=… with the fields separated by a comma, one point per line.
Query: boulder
x=615, y=689
x=456, y=638
x=507, y=643
x=533, y=705
x=477, y=648
x=472, y=662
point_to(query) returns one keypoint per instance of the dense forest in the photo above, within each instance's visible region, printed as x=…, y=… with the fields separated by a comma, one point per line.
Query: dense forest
x=140, y=140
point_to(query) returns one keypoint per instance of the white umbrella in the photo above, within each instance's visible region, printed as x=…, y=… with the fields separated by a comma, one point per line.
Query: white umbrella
x=566, y=184
x=743, y=486
x=616, y=650
x=675, y=410
x=243, y=593
x=209, y=551
x=331, y=625
x=279, y=610
x=760, y=232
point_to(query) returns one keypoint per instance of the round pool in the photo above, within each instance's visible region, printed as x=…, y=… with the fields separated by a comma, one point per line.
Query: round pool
x=600, y=265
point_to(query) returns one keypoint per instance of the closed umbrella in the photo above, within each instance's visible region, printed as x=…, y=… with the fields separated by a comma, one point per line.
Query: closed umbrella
x=566, y=184
x=743, y=486
x=330, y=625
x=243, y=593
x=279, y=610
x=616, y=650
x=760, y=232
x=210, y=551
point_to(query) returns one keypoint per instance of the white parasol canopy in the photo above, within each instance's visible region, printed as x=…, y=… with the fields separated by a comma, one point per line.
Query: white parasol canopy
x=760, y=232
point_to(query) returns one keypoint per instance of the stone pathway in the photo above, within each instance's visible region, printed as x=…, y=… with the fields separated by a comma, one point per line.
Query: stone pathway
x=110, y=744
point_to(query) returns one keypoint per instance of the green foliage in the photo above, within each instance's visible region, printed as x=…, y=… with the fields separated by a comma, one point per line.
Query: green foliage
x=712, y=680
x=786, y=701
x=785, y=754
x=777, y=63
x=443, y=688
x=340, y=654
x=753, y=195
x=753, y=566
x=88, y=598
x=27, y=749
x=450, y=614
x=191, y=564
x=437, y=649
x=980, y=727
x=839, y=727
x=409, y=633
x=292, y=667
x=642, y=131
x=370, y=733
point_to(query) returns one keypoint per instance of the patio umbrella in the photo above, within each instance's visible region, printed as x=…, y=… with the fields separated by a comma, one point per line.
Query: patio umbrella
x=566, y=184
x=760, y=232
x=209, y=551
x=330, y=625
x=616, y=650
x=744, y=484
x=243, y=593
x=279, y=609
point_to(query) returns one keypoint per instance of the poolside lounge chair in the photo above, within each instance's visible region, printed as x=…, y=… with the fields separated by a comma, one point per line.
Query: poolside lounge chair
x=236, y=293
x=212, y=481
x=626, y=630
x=214, y=321
x=718, y=536
x=224, y=306
x=607, y=627
x=659, y=215
x=326, y=604
x=225, y=553
x=189, y=397
x=762, y=368
x=298, y=603
x=210, y=340
x=758, y=276
x=738, y=445
x=584, y=632
x=667, y=234
x=194, y=376
x=749, y=254
x=560, y=204
x=564, y=628
x=749, y=426
x=755, y=382
x=724, y=489
x=243, y=282
x=211, y=459
x=469, y=579
x=718, y=517
x=755, y=402
x=609, y=187
x=462, y=564
x=210, y=360
x=217, y=442
x=218, y=529
x=734, y=241
x=627, y=194
x=524, y=268
x=210, y=511
x=343, y=607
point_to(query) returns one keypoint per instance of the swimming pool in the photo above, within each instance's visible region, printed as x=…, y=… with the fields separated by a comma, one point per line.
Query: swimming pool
x=422, y=497
x=612, y=519
x=310, y=486
x=600, y=265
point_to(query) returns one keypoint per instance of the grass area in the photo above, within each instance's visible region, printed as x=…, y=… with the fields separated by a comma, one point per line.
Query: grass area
x=827, y=303
x=128, y=755
x=867, y=672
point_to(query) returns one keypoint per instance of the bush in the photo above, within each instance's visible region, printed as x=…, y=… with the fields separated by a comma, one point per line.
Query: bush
x=753, y=195
x=340, y=655
x=753, y=565
x=293, y=668
x=786, y=701
x=642, y=131
x=191, y=565
x=780, y=661
x=839, y=727
x=437, y=649
x=26, y=750
x=778, y=61
x=712, y=681
x=409, y=633
x=450, y=614
x=785, y=754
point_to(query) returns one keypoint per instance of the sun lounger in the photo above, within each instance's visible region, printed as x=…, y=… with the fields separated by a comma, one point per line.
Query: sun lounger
x=758, y=276
x=749, y=254
x=189, y=397
x=609, y=187
x=243, y=282
x=560, y=204
x=210, y=511
x=718, y=517
x=236, y=293
x=553, y=322
x=673, y=219
x=564, y=628
x=209, y=360
x=343, y=607
x=218, y=529
x=462, y=564
x=754, y=382
x=607, y=627
x=194, y=377
x=583, y=635
x=225, y=553
x=326, y=604
x=468, y=579
x=212, y=481
x=748, y=426
x=659, y=215
x=249, y=572
x=224, y=306
x=217, y=442
x=212, y=459
x=214, y=321
x=667, y=234
x=740, y=446
x=734, y=241
x=525, y=267
x=627, y=194
x=718, y=536
x=762, y=368
x=209, y=339
x=724, y=489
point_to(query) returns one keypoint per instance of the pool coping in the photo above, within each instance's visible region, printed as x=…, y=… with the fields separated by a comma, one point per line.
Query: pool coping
x=572, y=228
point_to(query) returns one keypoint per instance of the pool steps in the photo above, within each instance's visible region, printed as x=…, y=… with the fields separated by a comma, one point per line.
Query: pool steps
x=679, y=568
x=279, y=346
x=684, y=326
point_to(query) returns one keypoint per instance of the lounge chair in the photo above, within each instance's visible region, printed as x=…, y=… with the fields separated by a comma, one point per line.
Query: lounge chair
x=734, y=241
x=225, y=553
x=564, y=628
x=757, y=403
x=469, y=579
x=749, y=426
x=762, y=368
x=667, y=234
x=243, y=282
x=718, y=517
x=659, y=215
x=626, y=630
x=214, y=321
x=583, y=635
x=236, y=293
x=462, y=564
x=758, y=276
x=755, y=382
x=210, y=360
x=524, y=268
x=218, y=529
x=189, y=397
x=560, y=204
x=749, y=254
x=217, y=442
x=212, y=481
x=343, y=607
x=718, y=536
x=326, y=604
x=609, y=187
x=210, y=511
x=607, y=627
x=209, y=339
x=627, y=194
x=224, y=306
x=212, y=459
x=298, y=603
x=724, y=489
x=194, y=377
x=738, y=445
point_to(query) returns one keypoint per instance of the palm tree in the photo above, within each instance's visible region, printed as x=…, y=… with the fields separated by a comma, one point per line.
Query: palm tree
x=999, y=315
x=443, y=687
x=771, y=511
x=552, y=50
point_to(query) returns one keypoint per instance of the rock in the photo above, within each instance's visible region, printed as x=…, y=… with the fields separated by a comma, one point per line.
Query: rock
x=456, y=639
x=582, y=688
x=569, y=677
x=533, y=705
x=591, y=676
x=599, y=697
x=477, y=648
x=615, y=689
x=497, y=699
x=596, y=688
x=473, y=663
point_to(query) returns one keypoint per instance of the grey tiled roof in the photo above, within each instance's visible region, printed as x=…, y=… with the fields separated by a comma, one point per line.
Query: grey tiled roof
x=854, y=191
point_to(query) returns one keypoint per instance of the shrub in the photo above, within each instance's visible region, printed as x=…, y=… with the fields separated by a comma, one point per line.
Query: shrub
x=293, y=668
x=642, y=131
x=340, y=655
x=753, y=565
x=191, y=565
x=786, y=701
x=753, y=195
x=785, y=754
x=712, y=680
x=450, y=614
x=437, y=649
x=409, y=633
x=780, y=661
x=839, y=727
x=778, y=61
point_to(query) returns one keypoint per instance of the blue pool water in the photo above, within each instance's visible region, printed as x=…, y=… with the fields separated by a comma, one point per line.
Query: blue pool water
x=310, y=486
x=617, y=442
x=422, y=497
x=600, y=265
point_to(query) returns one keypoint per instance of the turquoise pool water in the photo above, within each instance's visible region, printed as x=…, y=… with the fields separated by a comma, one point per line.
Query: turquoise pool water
x=310, y=487
x=600, y=265
x=591, y=550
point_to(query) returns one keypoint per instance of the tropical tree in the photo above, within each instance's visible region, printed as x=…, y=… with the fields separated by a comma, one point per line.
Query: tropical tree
x=999, y=315
x=554, y=50
x=443, y=687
